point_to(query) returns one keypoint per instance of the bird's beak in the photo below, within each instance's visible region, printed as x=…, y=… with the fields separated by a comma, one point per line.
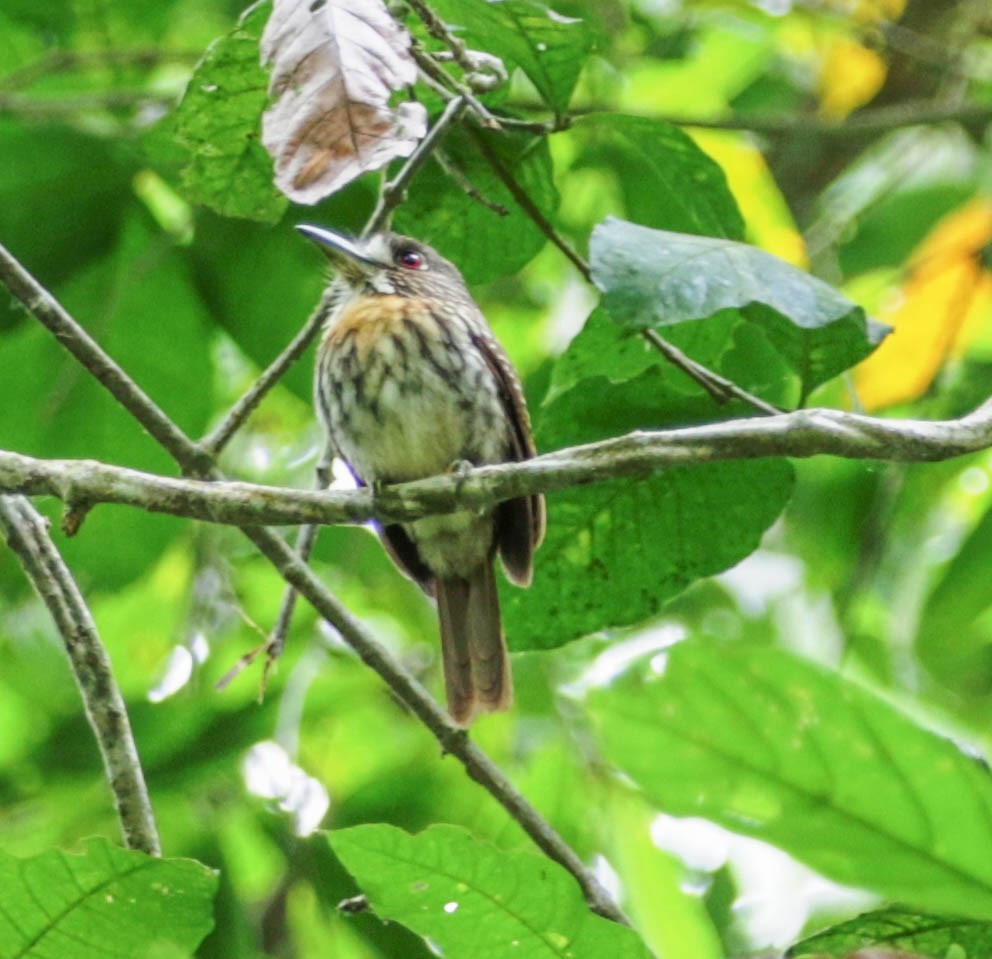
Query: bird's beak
x=350, y=258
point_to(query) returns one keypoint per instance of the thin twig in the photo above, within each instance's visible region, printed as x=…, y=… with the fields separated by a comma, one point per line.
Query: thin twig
x=392, y=193
x=442, y=82
x=305, y=543
x=26, y=533
x=804, y=433
x=483, y=71
x=215, y=441
x=466, y=186
x=527, y=204
x=864, y=122
x=720, y=388
x=191, y=457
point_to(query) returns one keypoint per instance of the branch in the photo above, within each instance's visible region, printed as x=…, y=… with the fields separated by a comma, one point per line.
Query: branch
x=721, y=389
x=392, y=193
x=215, y=441
x=640, y=454
x=27, y=536
x=25, y=104
x=192, y=458
x=864, y=122
x=391, y=196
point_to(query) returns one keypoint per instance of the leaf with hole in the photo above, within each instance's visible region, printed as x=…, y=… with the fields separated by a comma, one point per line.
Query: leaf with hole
x=106, y=903
x=616, y=552
x=471, y=898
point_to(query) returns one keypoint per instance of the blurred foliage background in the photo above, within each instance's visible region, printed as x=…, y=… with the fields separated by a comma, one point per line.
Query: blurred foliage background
x=854, y=139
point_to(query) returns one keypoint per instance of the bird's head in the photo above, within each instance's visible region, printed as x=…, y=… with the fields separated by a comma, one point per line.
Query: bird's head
x=388, y=263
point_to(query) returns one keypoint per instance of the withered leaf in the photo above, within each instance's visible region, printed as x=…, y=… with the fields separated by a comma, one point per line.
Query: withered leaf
x=334, y=65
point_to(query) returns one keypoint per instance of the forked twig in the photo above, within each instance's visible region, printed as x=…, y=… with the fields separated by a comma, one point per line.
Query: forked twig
x=193, y=459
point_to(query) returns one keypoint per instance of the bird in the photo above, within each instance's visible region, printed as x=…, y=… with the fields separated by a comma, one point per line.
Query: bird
x=411, y=382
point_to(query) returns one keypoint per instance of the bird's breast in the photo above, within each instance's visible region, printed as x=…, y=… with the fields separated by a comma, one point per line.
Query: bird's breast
x=405, y=393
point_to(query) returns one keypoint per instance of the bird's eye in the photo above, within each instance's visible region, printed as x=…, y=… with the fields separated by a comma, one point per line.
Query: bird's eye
x=411, y=259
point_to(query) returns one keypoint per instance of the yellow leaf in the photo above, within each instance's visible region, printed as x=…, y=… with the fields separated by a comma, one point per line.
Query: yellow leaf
x=769, y=221
x=944, y=305
x=871, y=11
x=850, y=76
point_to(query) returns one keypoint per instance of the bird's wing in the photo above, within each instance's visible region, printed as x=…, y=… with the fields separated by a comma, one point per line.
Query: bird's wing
x=519, y=522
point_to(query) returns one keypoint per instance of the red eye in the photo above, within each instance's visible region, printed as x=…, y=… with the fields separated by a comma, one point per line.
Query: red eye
x=411, y=259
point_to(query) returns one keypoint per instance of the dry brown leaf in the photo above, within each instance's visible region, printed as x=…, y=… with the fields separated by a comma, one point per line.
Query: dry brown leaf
x=334, y=67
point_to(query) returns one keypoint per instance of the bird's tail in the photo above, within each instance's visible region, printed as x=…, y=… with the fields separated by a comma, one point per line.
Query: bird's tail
x=476, y=668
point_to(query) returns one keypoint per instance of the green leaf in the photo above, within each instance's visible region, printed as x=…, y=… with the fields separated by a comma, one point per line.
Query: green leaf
x=774, y=747
x=668, y=182
x=885, y=234
x=473, y=899
x=106, y=903
x=72, y=218
x=219, y=123
x=955, y=631
x=485, y=244
x=549, y=48
x=140, y=304
x=653, y=278
x=939, y=937
x=616, y=552
x=261, y=284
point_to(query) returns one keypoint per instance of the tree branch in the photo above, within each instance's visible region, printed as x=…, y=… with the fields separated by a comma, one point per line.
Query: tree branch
x=644, y=453
x=192, y=458
x=26, y=533
x=865, y=122
x=720, y=388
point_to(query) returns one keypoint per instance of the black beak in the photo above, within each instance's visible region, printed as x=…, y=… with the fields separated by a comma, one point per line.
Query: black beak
x=340, y=249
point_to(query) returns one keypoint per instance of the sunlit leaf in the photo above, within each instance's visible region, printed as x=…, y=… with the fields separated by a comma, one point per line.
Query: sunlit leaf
x=774, y=747
x=850, y=76
x=472, y=899
x=945, y=303
x=667, y=181
x=335, y=64
x=105, y=903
